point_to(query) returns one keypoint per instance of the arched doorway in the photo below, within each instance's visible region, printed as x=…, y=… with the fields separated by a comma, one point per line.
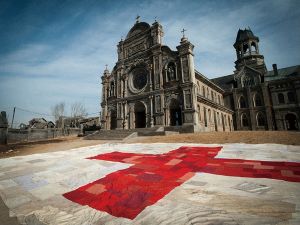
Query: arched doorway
x=291, y=121
x=175, y=113
x=140, y=115
x=113, y=119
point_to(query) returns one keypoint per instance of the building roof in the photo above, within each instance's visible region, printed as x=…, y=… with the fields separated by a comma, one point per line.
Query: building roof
x=224, y=82
x=215, y=85
x=244, y=35
x=138, y=28
x=38, y=120
x=286, y=72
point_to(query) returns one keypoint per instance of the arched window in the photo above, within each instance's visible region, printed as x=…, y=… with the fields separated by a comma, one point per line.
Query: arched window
x=253, y=47
x=242, y=102
x=199, y=112
x=205, y=116
x=244, y=120
x=209, y=115
x=260, y=119
x=248, y=80
x=291, y=96
x=280, y=98
x=171, y=71
x=257, y=100
x=245, y=48
x=203, y=91
x=239, y=52
x=112, y=88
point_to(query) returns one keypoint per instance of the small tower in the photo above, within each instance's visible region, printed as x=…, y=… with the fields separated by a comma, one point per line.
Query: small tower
x=157, y=33
x=247, y=51
x=250, y=65
x=186, y=56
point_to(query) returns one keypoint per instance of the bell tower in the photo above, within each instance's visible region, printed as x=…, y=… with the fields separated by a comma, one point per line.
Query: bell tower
x=247, y=51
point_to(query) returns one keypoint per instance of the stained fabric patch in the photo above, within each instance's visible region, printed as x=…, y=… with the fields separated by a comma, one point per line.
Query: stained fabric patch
x=126, y=193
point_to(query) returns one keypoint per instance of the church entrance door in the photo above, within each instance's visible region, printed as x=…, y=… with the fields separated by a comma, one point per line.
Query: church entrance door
x=113, y=119
x=291, y=121
x=175, y=113
x=140, y=115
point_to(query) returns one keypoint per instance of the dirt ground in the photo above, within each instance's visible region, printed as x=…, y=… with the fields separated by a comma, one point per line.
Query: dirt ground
x=58, y=144
x=250, y=137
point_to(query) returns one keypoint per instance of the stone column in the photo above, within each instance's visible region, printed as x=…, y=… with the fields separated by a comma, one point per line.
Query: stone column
x=3, y=128
x=125, y=115
x=126, y=87
x=131, y=116
x=119, y=115
x=151, y=110
x=150, y=77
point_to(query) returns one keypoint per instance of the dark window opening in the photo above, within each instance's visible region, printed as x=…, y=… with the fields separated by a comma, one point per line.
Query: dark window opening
x=245, y=121
x=242, y=102
x=280, y=98
x=257, y=100
x=291, y=97
x=260, y=119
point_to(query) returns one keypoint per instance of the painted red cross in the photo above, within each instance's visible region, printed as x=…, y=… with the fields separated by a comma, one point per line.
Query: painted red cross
x=127, y=192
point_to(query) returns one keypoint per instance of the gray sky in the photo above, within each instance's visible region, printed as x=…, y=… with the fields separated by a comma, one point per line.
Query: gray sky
x=54, y=51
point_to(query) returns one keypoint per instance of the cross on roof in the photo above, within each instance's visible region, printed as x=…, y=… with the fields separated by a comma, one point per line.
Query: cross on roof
x=183, y=30
x=137, y=18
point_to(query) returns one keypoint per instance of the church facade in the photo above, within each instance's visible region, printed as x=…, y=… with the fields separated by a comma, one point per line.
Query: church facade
x=154, y=86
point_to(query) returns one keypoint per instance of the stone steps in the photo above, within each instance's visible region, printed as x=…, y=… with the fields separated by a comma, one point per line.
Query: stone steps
x=109, y=135
x=122, y=134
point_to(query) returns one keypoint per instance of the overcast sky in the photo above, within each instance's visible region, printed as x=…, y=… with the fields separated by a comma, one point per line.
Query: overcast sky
x=55, y=51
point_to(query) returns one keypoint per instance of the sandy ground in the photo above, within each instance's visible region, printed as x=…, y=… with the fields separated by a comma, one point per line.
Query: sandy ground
x=249, y=137
x=61, y=144
x=58, y=144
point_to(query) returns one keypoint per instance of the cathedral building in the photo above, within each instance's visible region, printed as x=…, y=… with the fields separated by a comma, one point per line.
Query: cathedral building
x=154, y=86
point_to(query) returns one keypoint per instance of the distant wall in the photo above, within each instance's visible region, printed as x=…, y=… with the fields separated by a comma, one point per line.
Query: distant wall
x=20, y=135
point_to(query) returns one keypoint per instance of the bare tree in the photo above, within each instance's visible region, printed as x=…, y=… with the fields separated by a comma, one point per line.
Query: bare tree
x=58, y=110
x=78, y=110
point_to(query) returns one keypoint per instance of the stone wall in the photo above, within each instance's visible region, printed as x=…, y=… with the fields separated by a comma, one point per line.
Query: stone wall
x=19, y=135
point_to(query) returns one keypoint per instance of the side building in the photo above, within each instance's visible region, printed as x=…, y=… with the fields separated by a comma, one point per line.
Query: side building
x=152, y=85
x=260, y=99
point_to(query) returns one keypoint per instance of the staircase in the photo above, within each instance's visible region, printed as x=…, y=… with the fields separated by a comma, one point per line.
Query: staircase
x=109, y=135
x=122, y=134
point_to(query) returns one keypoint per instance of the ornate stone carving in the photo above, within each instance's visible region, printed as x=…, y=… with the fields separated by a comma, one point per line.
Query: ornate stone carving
x=185, y=68
x=187, y=98
x=157, y=103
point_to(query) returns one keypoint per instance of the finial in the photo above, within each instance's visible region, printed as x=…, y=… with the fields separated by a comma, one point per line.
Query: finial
x=106, y=66
x=137, y=19
x=155, y=19
x=121, y=38
x=183, y=30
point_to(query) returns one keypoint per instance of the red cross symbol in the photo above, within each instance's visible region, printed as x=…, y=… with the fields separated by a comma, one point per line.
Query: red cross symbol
x=127, y=192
